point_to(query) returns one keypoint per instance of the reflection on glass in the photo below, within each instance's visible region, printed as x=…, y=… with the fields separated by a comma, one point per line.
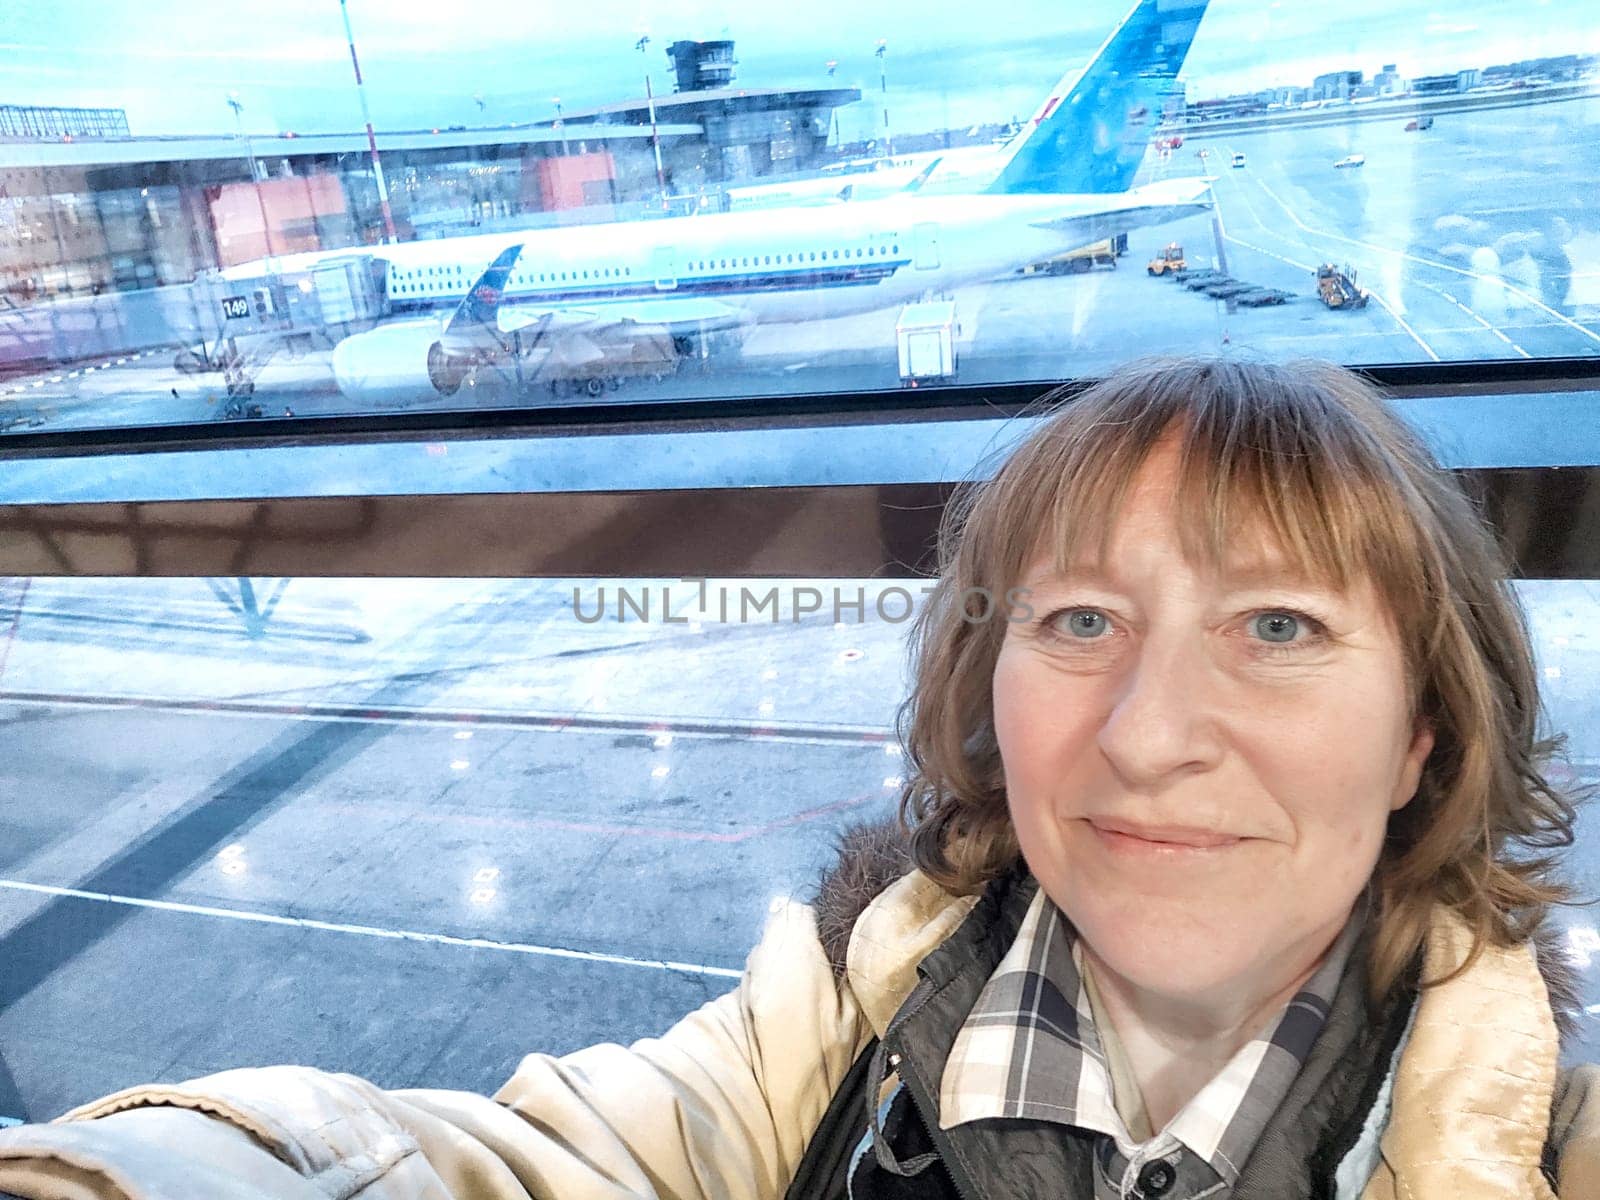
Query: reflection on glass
x=243, y=828
x=884, y=199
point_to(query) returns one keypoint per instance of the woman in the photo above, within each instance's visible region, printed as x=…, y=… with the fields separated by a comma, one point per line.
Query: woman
x=1220, y=878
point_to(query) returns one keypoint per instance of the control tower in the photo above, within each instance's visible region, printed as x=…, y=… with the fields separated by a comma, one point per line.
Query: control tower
x=702, y=66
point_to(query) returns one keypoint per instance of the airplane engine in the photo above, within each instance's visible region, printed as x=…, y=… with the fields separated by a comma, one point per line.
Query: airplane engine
x=446, y=371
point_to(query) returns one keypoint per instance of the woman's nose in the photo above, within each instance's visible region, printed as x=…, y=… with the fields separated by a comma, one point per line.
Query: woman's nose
x=1162, y=716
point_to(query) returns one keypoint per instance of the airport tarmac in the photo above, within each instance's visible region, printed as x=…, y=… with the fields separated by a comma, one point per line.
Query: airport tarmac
x=416, y=829
x=1478, y=239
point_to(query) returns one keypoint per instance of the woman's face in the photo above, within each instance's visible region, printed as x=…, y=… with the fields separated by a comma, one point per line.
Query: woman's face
x=1200, y=768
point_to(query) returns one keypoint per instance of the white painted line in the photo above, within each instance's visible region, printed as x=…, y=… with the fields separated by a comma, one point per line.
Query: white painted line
x=1478, y=318
x=1401, y=321
x=372, y=931
x=8, y=1122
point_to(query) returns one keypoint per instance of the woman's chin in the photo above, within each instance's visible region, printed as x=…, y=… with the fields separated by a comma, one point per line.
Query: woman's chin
x=1172, y=958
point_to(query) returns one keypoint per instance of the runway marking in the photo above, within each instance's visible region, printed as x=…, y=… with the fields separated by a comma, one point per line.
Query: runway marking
x=1492, y=329
x=1429, y=262
x=761, y=731
x=371, y=931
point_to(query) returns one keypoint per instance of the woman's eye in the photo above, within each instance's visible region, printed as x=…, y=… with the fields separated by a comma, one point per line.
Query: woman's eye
x=1279, y=627
x=1081, y=622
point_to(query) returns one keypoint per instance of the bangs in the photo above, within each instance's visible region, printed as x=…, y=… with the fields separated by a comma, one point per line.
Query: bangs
x=1282, y=475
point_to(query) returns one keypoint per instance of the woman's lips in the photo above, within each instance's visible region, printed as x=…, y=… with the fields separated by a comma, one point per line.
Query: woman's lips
x=1126, y=838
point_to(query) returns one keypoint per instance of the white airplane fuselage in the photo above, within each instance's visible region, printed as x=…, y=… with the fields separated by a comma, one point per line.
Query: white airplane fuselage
x=801, y=264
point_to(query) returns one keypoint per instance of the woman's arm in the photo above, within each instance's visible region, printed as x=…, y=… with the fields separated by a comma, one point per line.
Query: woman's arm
x=719, y=1108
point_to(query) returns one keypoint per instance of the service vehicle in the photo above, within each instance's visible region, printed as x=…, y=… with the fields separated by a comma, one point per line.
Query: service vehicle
x=1170, y=259
x=1351, y=160
x=1337, y=287
x=1238, y=158
x=1103, y=253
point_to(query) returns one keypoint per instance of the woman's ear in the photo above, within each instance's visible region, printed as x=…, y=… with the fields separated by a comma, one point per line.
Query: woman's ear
x=1411, y=770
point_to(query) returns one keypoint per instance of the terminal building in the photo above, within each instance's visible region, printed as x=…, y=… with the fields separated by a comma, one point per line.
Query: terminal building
x=87, y=207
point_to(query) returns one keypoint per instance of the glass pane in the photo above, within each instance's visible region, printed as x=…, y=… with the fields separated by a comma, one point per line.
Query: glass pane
x=416, y=829
x=412, y=829
x=230, y=225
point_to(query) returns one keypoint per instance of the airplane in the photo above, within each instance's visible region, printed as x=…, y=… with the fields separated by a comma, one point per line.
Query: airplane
x=702, y=280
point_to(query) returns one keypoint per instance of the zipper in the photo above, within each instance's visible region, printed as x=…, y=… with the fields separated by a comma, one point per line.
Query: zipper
x=921, y=1096
x=920, y=1099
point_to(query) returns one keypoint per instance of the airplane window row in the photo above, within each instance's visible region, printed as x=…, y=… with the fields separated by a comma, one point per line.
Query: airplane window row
x=769, y=260
x=455, y=278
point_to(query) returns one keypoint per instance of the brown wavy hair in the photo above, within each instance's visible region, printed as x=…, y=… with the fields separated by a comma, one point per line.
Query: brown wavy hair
x=1312, y=456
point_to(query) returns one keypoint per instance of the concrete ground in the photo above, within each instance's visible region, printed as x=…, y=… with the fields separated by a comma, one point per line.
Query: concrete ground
x=414, y=830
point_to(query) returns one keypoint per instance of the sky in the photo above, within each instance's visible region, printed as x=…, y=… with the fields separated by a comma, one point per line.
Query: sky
x=172, y=63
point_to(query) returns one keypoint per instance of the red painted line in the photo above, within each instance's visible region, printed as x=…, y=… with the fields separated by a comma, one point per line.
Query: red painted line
x=16, y=619
x=608, y=829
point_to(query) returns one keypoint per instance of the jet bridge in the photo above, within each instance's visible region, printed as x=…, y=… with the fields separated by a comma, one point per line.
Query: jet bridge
x=256, y=318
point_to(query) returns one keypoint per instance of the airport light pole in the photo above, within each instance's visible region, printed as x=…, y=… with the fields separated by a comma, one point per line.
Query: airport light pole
x=372, y=141
x=655, y=133
x=255, y=180
x=883, y=91
x=561, y=125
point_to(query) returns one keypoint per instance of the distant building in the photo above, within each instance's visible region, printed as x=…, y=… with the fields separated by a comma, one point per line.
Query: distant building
x=32, y=121
x=85, y=207
x=1336, y=85
x=1562, y=68
x=1387, y=82
x=1442, y=85
x=1224, y=107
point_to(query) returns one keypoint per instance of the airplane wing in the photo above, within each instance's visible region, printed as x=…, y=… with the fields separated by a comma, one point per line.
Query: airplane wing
x=675, y=313
x=1097, y=217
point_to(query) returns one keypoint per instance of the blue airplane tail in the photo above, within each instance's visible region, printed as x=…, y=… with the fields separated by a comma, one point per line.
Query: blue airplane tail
x=1090, y=136
x=481, y=305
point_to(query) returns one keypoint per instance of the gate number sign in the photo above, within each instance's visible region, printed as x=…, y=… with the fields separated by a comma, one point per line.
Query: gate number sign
x=234, y=307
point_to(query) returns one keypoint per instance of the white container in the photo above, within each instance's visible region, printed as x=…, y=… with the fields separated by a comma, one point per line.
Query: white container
x=926, y=334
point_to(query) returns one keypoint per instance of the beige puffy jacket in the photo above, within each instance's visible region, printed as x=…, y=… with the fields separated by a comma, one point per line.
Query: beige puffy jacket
x=723, y=1105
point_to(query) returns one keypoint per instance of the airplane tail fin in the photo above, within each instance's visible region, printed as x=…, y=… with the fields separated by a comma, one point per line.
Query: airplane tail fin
x=1091, y=134
x=481, y=305
x=922, y=176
